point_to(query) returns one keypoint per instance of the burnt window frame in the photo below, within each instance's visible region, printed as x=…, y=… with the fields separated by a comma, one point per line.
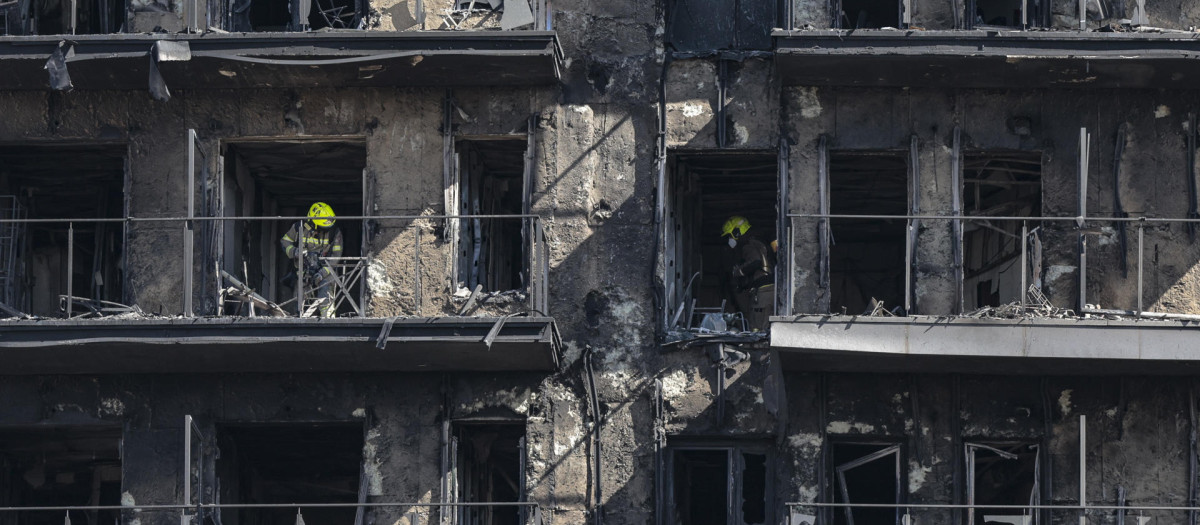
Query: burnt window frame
x=451, y=479
x=222, y=14
x=739, y=38
x=113, y=431
x=971, y=447
x=903, y=21
x=735, y=452
x=832, y=483
x=1032, y=18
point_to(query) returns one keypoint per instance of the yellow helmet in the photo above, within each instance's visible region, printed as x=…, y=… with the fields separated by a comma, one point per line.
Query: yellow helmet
x=738, y=223
x=321, y=215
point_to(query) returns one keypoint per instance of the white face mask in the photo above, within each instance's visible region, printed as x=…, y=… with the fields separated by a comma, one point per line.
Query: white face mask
x=732, y=242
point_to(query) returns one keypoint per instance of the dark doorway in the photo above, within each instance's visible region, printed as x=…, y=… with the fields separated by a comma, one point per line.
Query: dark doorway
x=866, y=473
x=998, y=184
x=708, y=190
x=1002, y=473
x=267, y=178
x=1004, y=13
x=61, y=182
x=492, y=251
x=719, y=486
x=867, y=256
x=491, y=468
x=290, y=463
x=870, y=14
x=60, y=466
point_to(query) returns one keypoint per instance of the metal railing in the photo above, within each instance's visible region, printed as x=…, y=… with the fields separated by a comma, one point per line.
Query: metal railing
x=426, y=238
x=1083, y=227
x=532, y=511
x=813, y=513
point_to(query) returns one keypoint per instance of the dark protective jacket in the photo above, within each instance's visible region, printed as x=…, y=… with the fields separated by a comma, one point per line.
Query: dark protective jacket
x=753, y=265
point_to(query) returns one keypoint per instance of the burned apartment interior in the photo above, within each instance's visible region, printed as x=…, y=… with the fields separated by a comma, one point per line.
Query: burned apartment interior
x=60, y=466
x=62, y=17
x=489, y=458
x=1014, y=14
x=867, y=256
x=264, y=178
x=1002, y=473
x=493, y=253
x=869, y=14
x=294, y=15
x=1004, y=184
x=39, y=259
x=708, y=189
x=719, y=484
x=289, y=463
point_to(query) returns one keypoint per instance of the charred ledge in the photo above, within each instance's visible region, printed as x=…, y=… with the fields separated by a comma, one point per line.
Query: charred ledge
x=988, y=59
x=317, y=59
x=987, y=346
x=279, y=345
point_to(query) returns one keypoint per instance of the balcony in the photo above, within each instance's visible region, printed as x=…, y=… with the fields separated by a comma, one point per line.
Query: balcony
x=987, y=59
x=494, y=320
x=1003, y=322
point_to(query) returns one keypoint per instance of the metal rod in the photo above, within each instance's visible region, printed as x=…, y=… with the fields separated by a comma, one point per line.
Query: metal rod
x=176, y=506
x=1083, y=468
x=908, y=249
x=936, y=506
x=1141, y=232
x=1024, y=263
x=70, y=268
x=1147, y=315
x=187, y=459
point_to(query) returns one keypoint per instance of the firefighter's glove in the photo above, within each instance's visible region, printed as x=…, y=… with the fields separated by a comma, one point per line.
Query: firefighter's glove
x=312, y=262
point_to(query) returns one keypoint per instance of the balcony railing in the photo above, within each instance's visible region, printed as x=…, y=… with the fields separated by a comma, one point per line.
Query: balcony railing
x=459, y=243
x=1022, y=228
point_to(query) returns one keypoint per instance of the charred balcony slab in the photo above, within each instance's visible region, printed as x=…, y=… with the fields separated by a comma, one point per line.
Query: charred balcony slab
x=462, y=344
x=987, y=346
x=988, y=59
x=287, y=60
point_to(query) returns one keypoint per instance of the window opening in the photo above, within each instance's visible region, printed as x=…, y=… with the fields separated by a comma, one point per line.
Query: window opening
x=997, y=184
x=492, y=252
x=61, y=17
x=60, y=466
x=263, y=178
x=490, y=468
x=61, y=182
x=719, y=486
x=870, y=14
x=1005, y=13
x=867, y=473
x=716, y=286
x=294, y=15
x=1002, y=474
x=708, y=25
x=866, y=256
x=289, y=463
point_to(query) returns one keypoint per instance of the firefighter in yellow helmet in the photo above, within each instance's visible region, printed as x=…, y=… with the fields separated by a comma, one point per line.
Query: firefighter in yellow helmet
x=753, y=273
x=321, y=240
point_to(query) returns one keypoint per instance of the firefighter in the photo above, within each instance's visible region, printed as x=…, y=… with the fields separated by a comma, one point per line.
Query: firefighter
x=753, y=273
x=321, y=239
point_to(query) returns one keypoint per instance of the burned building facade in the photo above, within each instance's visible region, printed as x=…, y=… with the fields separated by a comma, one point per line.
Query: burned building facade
x=985, y=276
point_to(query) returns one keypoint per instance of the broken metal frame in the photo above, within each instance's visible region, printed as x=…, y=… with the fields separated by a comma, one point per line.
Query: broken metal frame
x=840, y=470
x=970, y=451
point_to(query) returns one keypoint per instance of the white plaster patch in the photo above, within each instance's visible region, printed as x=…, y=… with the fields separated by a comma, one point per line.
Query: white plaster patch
x=692, y=110
x=808, y=493
x=1064, y=402
x=1162, y=111
x=571, y=352
x=573, y=436
x=1108, y=235
x=1057, y=271
x=675, y=384
x=844, y=427
x=741, y=135
x=583, y=110
x=359, y=412
x=112, y=407
x=800, y=441
x=1112, y=412
x=377, y=278
x=810, y=105
x=897, y=399
x=917, y=475
x=371, y=463
x=127, y=499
